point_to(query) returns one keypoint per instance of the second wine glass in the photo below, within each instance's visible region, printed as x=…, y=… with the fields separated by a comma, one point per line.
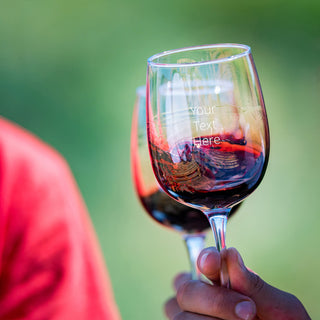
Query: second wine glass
x=189, y=222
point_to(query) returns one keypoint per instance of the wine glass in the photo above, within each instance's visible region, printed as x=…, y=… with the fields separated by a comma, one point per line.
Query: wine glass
x=189, y=222
x=207, y=129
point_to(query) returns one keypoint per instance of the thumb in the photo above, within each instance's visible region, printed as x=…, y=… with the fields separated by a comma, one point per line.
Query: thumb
x=271, y=302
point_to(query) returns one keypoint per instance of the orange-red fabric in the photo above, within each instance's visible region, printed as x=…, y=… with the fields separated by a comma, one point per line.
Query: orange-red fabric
x=51, y=267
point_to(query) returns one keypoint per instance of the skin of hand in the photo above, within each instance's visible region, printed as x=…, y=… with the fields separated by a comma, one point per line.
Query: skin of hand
x=249, y=299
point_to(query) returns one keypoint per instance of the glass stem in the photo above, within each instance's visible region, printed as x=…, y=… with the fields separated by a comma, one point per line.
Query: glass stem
x=194, y=244
x=218, y=221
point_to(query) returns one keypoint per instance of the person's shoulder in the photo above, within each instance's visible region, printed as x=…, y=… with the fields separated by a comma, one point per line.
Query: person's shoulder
x=19, y=146
x=34, y=177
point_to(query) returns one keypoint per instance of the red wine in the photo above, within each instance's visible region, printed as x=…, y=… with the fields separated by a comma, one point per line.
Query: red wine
x=173, y=214
x=210, y=171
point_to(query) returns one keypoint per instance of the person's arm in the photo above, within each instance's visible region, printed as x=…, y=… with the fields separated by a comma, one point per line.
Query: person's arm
x=51, y=265
x=250, y=297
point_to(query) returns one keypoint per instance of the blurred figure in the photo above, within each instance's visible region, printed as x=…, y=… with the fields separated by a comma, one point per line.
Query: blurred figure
x=249, y=299
x=51, y=267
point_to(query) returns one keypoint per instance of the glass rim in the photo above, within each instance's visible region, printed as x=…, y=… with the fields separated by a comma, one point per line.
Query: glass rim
x=247, y=51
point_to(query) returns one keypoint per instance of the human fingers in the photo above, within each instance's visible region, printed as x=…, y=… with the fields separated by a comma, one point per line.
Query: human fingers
x=171, y=308
x=215, y=301
x=271, y=302
x=180, y=279
x=209, y=262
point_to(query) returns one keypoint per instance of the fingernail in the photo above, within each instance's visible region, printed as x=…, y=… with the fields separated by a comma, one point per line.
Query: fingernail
x=245, y=310
x=203, y=259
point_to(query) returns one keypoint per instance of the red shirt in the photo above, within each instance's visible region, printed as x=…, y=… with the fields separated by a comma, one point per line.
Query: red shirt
x=51, y=267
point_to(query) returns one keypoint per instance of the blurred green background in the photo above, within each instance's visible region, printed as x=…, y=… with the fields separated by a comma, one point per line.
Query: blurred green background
x=69, y=70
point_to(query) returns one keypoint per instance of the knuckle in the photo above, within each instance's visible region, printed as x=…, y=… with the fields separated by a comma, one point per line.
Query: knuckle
x=183, y=291
x=171, y=308
x=169, y=303
x=257, y=284
x=180, y=278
